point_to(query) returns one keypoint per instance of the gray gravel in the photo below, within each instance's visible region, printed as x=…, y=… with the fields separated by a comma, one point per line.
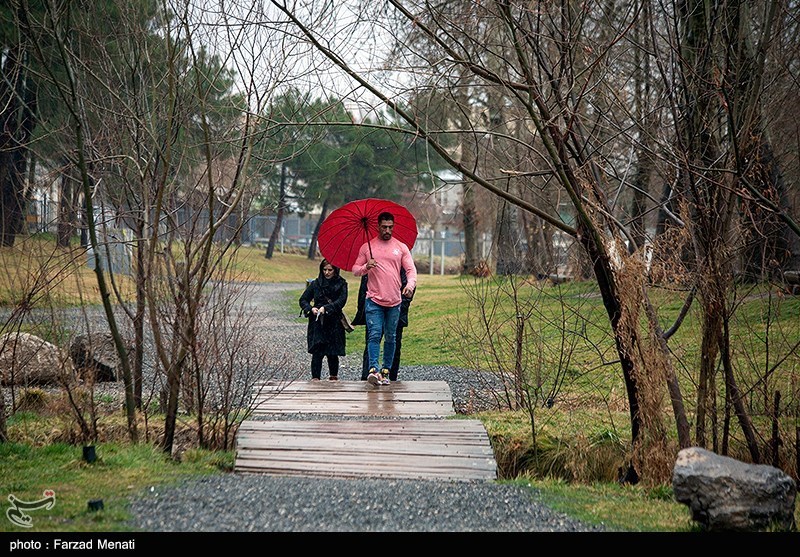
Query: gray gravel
x=259, y=503
x=236, y=503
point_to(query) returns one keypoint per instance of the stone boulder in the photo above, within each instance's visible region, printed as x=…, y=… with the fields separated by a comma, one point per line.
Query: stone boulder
x=725, y=494
x=26, y=359
x=95, y=356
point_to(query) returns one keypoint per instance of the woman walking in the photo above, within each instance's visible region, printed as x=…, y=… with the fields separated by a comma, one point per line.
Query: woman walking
x=322, y=303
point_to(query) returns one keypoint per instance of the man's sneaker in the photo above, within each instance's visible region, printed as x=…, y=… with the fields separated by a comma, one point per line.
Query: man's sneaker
x=373, y=378
x=385, y=377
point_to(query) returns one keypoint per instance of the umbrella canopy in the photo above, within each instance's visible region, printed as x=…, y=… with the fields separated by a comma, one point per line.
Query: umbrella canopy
x=346, y=229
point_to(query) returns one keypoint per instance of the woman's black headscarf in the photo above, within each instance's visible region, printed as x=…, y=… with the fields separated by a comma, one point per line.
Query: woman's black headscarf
x=328, y=286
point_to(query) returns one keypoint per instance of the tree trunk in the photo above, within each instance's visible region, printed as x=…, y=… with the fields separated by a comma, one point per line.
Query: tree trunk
x=623, y=338
x=539, y=259
x=776, y=442
x=644, y=168
x=673, y=386
x=470, y=220
x=171, y=413
x=312, y=245
x=66, y=209
x=736, y=396
x=505, y=239
x=139, y=317
x=469, y=210
x=551, y=259
x=793, y=412
x=105, y=295
x=182, y=331
x=708, y=360
x=3, y=428
x=16, y=127
x=276, y=230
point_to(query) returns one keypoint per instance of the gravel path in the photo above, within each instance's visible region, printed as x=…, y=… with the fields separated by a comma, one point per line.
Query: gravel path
x=254, y=503
x=232, y=503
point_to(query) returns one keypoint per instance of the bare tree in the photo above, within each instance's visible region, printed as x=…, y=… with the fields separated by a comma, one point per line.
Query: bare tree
x=528, y=42
x=160, y=134
x=567, y=72
x=17, y=122
x=279, y=213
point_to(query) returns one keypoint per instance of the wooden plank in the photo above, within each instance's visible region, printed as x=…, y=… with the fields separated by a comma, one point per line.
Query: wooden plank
x=392, y=442
x=430, y=427
x=321, y=470
x=355, y=445
x=356, y=467
x=383, y=394
x=457, y=430
x=355, y=398
x=359, y=468
x=384, y=460
x=416, y=443
x=346, y=398
x=353, y=386
x=434, y=449
x=365, y=409
x=371, y=428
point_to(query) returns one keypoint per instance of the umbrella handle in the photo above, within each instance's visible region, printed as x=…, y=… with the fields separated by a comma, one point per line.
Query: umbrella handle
x=366, y=235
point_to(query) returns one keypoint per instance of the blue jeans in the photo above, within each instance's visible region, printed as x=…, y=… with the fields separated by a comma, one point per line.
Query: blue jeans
x=381, y=321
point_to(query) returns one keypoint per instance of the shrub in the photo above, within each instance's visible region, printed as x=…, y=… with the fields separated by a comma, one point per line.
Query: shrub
x=32, y=400
x=598, y=458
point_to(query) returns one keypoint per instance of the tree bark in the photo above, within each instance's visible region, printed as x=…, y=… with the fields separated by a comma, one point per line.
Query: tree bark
x=644, y=150
x=16, y=127
x=67, y=213
x=624, y=339
x=312, y=245
x=3, y=427
x=140, y=315
x=276, y=230
x=736, y=396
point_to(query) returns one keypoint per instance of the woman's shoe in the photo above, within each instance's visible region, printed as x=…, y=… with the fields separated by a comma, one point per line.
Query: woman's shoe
x=333, y=378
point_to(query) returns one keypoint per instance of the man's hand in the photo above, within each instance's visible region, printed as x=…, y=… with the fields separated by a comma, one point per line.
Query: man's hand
x=408, y=292
x=371, y=264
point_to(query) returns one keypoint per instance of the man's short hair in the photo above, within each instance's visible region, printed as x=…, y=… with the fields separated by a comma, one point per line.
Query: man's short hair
x=386, y=215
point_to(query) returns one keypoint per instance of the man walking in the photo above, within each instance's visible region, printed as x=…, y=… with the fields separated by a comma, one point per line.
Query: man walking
x=381, y=260
x=359, y=319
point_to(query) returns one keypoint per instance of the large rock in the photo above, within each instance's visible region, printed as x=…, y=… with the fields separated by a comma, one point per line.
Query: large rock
x=726, y=494
x=26, y=359
x=95, y=356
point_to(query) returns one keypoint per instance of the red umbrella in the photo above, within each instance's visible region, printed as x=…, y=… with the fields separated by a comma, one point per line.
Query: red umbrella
x=346, y=229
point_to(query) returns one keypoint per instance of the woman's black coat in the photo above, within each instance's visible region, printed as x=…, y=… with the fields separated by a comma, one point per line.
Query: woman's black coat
x=325, y=335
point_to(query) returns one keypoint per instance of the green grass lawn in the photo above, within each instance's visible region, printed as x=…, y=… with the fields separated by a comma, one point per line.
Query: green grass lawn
x=119, y=471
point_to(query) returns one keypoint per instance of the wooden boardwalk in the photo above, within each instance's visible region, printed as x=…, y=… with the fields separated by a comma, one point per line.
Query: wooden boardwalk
x=406, y=399
x=419, y=442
